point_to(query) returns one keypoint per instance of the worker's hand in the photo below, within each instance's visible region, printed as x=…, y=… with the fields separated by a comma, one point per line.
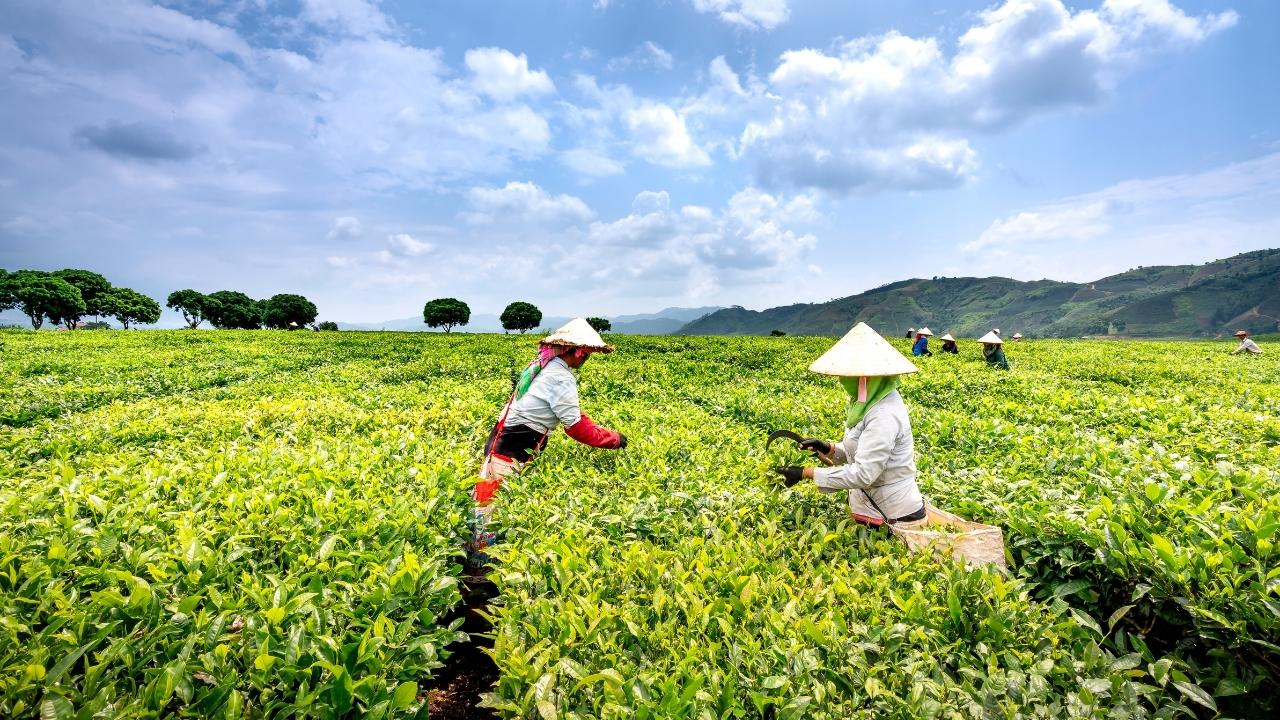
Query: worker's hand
x=622, y=441
x=790, y=475
x=816, y=446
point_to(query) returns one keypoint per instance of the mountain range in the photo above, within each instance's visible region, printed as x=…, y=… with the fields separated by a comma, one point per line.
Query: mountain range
x=1217, y=298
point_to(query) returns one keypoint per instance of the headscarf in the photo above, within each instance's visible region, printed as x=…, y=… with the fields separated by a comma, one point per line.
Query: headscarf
x=546, y=353
x=864, y=393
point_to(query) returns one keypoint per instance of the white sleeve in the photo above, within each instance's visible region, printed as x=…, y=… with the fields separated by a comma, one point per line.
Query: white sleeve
x=874, y=447
x=564, y=402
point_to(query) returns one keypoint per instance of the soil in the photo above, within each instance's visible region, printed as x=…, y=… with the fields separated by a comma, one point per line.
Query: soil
x=469, y=672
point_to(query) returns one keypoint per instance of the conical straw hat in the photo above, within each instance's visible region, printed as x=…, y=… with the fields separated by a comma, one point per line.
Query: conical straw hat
x=991, y=338
x=578, y=333
x=947, y=337
x=862, y=353
x=925, y=331
x=1017, y=336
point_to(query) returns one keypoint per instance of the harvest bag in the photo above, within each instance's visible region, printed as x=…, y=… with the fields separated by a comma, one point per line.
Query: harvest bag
x=977, y=544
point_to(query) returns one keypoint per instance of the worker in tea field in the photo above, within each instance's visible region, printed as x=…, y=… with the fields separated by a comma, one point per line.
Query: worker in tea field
x=911, y=333
x=545, y=396
x=993, y=350
x=921, y=345
x=1246, y=344
x=875, y=461
x=949, y=344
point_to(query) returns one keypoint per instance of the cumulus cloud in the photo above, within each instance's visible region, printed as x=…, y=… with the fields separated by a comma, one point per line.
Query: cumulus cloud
x=139, y=141
x=661, y=137
x=503, y=75
x=524, y=202
x=1178, y=218
x=749, y=14
x=345, y=228
x=407, y=245
x=893, y=112
x=349, y=17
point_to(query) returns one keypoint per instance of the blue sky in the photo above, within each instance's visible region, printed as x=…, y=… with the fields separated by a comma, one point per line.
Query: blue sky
x=611, y=157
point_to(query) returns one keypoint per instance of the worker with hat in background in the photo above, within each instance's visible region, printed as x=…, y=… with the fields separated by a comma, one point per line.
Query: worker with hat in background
x=875, y=460
x=949, y=344
x=1246, y=344
x=921, y=345
x=992, y=350
x=1017, y=337
x=545, y=396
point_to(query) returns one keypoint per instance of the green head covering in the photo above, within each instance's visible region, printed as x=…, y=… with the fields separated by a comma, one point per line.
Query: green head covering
x=877, y=389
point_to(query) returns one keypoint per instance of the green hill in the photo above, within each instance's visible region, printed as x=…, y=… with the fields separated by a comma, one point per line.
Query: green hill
x=1162, y=301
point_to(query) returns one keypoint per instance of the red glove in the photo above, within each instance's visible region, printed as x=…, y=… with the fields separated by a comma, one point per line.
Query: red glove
x=589, y=433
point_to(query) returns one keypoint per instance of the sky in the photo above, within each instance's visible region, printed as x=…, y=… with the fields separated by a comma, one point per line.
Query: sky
x=601, y=157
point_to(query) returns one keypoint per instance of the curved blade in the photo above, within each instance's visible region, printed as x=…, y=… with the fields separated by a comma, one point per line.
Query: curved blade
x=782, y=434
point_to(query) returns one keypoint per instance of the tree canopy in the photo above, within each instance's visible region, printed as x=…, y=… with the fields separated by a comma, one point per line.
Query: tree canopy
x=446, y=313
x=7, y=300
x=93, y=289
x=520, y=316
x=600, y=324
x=191, y=304
x=130, y=306
x=41, y=295
x=280, y=310
x=232, y=310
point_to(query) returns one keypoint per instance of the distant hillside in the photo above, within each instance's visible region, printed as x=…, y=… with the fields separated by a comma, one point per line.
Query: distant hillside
x=1164, y=301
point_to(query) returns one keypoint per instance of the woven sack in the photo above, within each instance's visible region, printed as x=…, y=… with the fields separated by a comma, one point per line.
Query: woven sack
x=976, y=544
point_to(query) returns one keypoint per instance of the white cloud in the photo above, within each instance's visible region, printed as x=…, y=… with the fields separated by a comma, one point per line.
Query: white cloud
x=345, y=228
x=347, y=17
x=661, y=137
x=340, y=261
x=504, y=76
x=647, y=54
x=407, y=245
x=524, y=202
x=893, y=112
x=1177, y=218
x=590, y=162
x=750, y=14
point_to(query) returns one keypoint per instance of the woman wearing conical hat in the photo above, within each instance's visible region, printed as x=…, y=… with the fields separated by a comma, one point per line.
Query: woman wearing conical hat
x=992, y=350
x=921, y=345
x=545, y=396
x=875, y=460
x=949, y=344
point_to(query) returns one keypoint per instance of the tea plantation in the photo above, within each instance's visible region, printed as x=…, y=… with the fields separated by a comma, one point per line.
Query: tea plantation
x=268, y=524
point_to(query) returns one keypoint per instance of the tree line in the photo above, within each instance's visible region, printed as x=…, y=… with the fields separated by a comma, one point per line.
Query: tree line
x=448, y=313
x=66, y=297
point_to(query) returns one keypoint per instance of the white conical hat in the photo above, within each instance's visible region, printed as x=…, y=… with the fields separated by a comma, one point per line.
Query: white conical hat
x=578, y=333
x=925, y=331
x=991, y=338
x=862, y=353
x=996, y=331
x=947, y=337
x=1017, y=336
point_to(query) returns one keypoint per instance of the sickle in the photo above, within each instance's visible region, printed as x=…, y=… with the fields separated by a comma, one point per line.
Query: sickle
x=782, y=434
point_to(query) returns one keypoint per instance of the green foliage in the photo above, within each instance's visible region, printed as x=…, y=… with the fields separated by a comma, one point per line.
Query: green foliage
x=328, y=325
x=129, y=306
x=7, y=300
x=231, y=310
x=177, y=508
x=193, y=306
x=280, y=310
x=520, y=316
x=446, y=313
x=93, y=290
x=777, y=333
x=41, y=295
x=600, y=324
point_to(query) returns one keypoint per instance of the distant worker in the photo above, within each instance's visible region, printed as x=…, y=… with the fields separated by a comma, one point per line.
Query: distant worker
x=1246, y=344
x=996, y=331
x=1017, y=337
x=545, y=396
x=949, y=344
x=992, y=351
x=911, y=333
x=921, y=346
x=876, y=460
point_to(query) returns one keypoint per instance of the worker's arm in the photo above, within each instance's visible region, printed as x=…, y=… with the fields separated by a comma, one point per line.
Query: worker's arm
x=874, y=447
x=588, y=433
x=1239, y=349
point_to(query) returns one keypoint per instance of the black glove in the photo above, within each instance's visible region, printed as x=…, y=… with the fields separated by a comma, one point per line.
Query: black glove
x=816, y=446
x=622, y=441
x=790, y=475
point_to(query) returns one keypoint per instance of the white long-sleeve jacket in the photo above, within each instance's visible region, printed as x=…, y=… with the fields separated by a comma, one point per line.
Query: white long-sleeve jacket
x=880, y=458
